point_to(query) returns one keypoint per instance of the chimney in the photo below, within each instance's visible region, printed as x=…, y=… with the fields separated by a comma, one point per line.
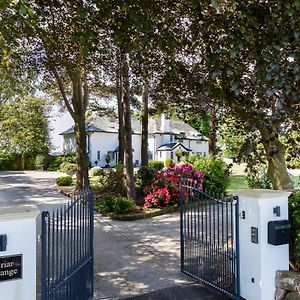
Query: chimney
x=165, y=124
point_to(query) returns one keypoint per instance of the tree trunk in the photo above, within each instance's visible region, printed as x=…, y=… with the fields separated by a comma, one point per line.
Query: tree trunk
x=277, y=170
x=23, y=159
x=128, y=157
x=79, y=101
x=82, y=179
x=212, y=130
x=120, y=108
x=144, y=146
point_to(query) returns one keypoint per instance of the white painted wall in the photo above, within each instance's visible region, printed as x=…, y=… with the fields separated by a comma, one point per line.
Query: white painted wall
x=104, y=142
x=259, y=262
x=19, y=224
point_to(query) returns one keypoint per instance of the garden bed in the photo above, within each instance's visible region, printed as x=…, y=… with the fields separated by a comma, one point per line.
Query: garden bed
x=143, y=213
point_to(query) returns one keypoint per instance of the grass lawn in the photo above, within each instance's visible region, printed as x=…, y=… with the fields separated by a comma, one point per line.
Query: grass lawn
x=237, y=182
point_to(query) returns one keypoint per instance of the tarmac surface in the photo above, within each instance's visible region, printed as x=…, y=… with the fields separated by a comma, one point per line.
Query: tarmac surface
x=133, y=260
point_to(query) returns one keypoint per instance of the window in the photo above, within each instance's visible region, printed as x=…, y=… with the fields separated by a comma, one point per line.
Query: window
x=172, y=155
x=171, y=138
x=98, y=155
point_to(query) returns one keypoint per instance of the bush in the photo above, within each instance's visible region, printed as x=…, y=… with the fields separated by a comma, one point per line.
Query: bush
x=95, y=171
x=68, y=168
x=257, y=178
x=64, y=181
x=112, y=182
x=8, y=161
x=144, y=177
x=56, y=162
x=156, y=164
x=117, y=205
x=122, y=205
x=294, y=217
x=168, y=161
x=164, y=189
x=216, y=172
x=39, y=162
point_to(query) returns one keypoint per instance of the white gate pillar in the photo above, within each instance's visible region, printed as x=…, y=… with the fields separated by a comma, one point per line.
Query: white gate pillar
x=18, y=252
x=264, y=235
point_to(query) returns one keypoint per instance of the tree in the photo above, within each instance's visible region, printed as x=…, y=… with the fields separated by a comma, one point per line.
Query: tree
x=63, y=42
x=24, y=127
x=245, y=56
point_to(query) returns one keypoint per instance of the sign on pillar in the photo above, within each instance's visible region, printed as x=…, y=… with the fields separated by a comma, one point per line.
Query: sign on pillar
x=18, y=252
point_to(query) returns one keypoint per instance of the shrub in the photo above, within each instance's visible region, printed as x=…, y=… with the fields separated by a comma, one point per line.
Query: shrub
x=156, y=164
x=164, y=189
x=106, y=204
x=95, y=171
x=257, y=178
x=56, y=162
x=39, y=162
x=68, y=168
x=112, y=182
x=294, y=217
x=117, y=205
x=216, y=172
x=168, y=161
x=122, y=205
x=64, y=181
x=144, y=177
x=8, y=161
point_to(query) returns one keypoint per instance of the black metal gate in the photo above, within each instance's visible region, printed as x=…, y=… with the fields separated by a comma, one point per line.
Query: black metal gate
x=67, y=250
x=209, y=239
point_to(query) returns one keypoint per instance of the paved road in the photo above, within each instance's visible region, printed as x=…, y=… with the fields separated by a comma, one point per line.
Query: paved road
x=131, y=258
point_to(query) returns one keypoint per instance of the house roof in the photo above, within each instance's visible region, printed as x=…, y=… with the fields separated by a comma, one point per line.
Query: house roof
x=171, y=147
x=111, y=125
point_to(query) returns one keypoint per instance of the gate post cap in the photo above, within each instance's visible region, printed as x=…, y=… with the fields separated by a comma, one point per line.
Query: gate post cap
x=263, y=194
x=18, y=212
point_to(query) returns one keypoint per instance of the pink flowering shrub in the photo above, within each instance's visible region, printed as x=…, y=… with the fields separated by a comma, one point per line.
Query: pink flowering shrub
x=164, y=189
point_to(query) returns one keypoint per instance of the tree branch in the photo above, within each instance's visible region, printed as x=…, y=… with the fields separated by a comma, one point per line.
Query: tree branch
x=63, y=92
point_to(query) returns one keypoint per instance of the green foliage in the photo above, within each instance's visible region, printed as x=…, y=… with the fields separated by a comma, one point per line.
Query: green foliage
x=198, y=122
x=257, y=178
x=294, y=217
x=117, y=205
x=156, y=164
x=112, y=182
x=144, y=177
x=56, y=162
x=105, y=205
x=95, y=171
x=68, y=168
x=168, y=161
x=123, y=205
x=24, y=127
x=216, y=172
x=39, y=162
x=8, y=161
x=64, y=181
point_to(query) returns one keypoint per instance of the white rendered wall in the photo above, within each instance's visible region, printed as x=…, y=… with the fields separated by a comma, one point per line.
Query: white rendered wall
x=259, y=262
x=103, y=142
x=19, y=224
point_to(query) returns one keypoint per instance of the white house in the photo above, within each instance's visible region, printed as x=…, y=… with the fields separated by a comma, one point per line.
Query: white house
x=165, y=138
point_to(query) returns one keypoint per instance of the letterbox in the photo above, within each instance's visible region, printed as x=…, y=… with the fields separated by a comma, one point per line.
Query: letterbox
x=279, y=232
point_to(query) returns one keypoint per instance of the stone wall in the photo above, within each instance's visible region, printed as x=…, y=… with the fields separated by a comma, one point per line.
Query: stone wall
x=287, y=285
